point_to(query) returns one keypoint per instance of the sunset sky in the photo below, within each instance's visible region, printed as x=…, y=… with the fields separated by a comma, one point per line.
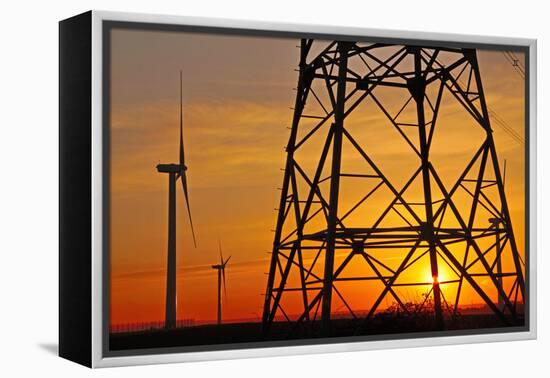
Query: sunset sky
x=237, y=93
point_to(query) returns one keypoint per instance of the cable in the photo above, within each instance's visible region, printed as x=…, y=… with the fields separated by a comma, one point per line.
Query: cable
x=515, y=62
x=493, y=115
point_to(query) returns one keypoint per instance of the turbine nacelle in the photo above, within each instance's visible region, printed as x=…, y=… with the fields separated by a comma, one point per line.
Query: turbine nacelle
x=171, y=168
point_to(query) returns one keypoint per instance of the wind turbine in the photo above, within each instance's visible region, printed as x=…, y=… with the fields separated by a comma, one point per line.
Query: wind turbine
x=221, y=274
x=175, y=172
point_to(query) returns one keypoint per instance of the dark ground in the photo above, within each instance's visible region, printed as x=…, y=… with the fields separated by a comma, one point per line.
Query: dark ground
x=251, y=332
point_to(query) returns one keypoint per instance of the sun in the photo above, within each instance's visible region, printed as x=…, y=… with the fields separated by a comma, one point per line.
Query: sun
x=440, y=278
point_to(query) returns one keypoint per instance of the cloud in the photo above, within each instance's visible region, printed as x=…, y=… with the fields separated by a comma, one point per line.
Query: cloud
x=189, y=271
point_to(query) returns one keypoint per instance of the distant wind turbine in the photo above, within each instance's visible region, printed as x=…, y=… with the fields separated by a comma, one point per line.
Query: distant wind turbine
x=221, y=274
x=175, y=172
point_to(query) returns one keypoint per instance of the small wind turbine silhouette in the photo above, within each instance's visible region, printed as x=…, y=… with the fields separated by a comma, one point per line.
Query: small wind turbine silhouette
x=221, y=274
x=175, y=172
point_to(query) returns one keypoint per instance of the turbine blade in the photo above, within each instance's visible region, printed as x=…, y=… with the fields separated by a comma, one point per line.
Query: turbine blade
x=226, y=261
x=186, y=194
x=182, y=154
x=221, y=254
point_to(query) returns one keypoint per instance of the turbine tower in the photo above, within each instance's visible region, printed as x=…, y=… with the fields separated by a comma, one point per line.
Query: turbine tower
x=357, y=228
x=221, y=275
x=175, y=172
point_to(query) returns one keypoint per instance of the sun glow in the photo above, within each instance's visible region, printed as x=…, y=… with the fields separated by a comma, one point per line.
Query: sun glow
x=439, y=278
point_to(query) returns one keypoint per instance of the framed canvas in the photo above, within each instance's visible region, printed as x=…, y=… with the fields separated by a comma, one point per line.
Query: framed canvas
x=232, y=189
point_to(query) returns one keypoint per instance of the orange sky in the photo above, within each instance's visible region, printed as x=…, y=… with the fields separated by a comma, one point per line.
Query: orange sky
x=237, y=94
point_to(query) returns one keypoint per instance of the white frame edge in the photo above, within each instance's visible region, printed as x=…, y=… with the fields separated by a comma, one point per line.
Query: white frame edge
x=98, y=360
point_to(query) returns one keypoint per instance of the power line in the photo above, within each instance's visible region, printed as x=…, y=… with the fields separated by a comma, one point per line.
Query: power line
x=518, y=61
x=501, y=122
x=520, y=69
x=515, y=62
x=506, y=127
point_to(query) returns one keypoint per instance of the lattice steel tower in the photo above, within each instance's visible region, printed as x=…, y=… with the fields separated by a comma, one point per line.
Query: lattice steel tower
x=391, y=176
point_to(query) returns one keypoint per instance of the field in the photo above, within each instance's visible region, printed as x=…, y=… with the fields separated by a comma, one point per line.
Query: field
x=382, y=324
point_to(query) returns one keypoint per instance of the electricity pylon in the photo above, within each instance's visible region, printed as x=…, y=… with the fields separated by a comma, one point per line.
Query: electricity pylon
x=375, y=212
